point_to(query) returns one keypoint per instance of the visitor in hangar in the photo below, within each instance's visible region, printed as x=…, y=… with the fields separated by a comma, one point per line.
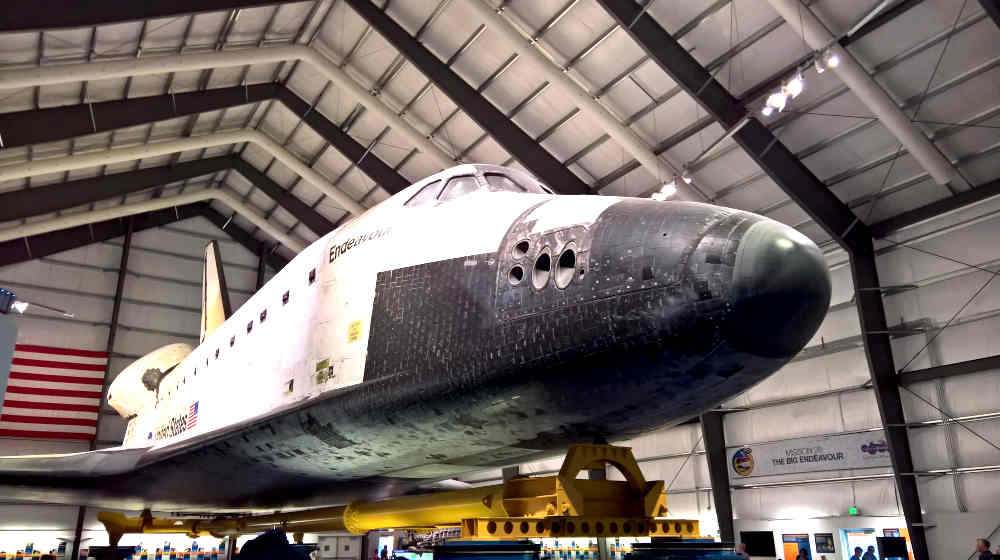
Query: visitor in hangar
x=983, y=548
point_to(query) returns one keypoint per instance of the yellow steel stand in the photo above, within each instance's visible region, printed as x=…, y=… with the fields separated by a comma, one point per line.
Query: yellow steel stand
x=523, y=507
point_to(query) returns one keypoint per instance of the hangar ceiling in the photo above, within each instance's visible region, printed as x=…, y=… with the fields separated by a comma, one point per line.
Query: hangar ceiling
x=277, y=122
x=356, y=117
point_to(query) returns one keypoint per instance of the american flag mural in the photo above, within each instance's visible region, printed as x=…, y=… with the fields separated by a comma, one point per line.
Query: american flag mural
x=53, y=393
x=192, y=415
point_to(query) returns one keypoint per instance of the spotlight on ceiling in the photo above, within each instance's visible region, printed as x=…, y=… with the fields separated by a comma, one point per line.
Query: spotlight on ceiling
x=668, y=190
x=794, y=86
x=767, y=110
x=831, y=59
x=777, y=100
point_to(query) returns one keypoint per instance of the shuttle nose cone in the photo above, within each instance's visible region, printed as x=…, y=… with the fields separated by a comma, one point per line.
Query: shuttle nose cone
x=781, y=291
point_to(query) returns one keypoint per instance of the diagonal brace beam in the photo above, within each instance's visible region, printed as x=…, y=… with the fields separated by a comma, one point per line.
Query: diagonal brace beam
x=22, y=203
x=756, y=139
x=274, y=260
x=513, y=139
x=62, y=14
x=43, y=245
x=24, y=128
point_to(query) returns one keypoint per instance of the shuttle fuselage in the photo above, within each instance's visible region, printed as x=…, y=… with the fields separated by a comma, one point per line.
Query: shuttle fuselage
x=472, y=320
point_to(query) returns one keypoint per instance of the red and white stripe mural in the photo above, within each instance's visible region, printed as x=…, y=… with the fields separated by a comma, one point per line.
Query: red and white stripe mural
x=53, y=393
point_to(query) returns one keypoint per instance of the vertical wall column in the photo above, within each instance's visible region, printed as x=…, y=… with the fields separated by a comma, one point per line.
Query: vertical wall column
x=885, y=382
x=602, y=542
x=261, y=263
x=510, y=472
x=112, y=331
x=714, y=435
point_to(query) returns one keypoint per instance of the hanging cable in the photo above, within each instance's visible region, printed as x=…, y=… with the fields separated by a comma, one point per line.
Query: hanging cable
x=920, y=102
x=949, y=322
x=686, y=459
x=950, y=417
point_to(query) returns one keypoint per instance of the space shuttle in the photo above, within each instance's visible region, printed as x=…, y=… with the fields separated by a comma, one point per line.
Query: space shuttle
x=473, y=320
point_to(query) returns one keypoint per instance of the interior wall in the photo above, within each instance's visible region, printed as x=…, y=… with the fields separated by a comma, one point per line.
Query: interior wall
x=161, y=305
x=821, y=525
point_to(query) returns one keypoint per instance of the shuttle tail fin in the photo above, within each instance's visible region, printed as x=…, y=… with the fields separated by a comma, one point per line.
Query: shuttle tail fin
x=215, y=306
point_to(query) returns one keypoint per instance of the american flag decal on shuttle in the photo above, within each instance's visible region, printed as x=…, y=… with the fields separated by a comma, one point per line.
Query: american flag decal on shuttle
x=53, y=393
x=192, y=415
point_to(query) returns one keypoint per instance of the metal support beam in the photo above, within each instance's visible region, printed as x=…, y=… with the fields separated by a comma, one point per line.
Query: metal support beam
x=516, y=141
x=261, y=262
x=57, y=197
x=756, y=139
x=62, y=14
x=714, y=436
x=116, y=307
x=275, y=261
x=510, y=472
x=885, y=382
x=602, y=542
x=18, y=204
x=62, y=123
x=302, y=211
x=947, y=370
x=39, y=246
x=775, y=80
x=992, y=9
x=382, y=173
x=935, y=209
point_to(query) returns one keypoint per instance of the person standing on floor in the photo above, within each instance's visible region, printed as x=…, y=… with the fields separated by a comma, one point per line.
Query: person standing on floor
x=983, y=548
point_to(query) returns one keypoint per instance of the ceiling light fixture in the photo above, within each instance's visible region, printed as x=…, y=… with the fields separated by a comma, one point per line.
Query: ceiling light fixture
x=767, y=110
x=831, y=58
x=668, y=190
x=777, y=100
x=794, y=86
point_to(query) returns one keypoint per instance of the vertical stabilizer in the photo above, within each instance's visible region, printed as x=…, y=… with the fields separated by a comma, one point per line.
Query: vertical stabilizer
x=214, y=295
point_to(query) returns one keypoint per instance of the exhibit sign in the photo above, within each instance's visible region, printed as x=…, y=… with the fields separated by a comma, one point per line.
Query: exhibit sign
x=848, y=451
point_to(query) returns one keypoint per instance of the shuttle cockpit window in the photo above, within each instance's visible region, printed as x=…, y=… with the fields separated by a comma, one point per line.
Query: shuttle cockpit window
x=459, y=186
x=426, y=195
x=498, y=182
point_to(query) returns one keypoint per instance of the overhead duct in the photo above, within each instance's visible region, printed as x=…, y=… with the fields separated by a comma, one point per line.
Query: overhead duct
x=94, y=216
x=108, y=157
x=527, y=48
x=69, y=73
x=855, y=77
